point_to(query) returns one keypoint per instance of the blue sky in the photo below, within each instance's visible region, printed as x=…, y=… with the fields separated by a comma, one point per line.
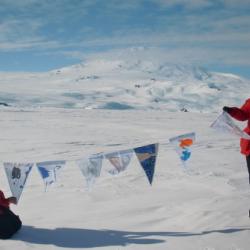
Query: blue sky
x=40, y=35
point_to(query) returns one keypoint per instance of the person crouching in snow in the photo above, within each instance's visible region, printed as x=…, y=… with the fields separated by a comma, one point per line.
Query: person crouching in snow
x=9, y=222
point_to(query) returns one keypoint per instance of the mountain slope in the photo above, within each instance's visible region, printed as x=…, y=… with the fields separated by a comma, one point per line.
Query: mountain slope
x=120, y=84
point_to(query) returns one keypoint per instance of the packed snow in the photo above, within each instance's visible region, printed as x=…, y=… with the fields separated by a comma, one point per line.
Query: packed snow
x=105, y=106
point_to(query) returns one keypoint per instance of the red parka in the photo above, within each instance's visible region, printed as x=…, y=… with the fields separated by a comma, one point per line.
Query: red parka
x=243, y=114
x=3, y=201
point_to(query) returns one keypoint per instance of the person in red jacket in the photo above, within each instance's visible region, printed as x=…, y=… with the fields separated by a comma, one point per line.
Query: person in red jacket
x=242, y=114
x=9, y=222
x=5, y=202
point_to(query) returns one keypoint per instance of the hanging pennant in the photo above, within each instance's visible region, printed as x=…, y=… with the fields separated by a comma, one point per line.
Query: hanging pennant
x=91, y=168
x=147, y=158
x=182, y=145
x=119, y=160
x=17, y=174
x=224, y=123
x=49, y=171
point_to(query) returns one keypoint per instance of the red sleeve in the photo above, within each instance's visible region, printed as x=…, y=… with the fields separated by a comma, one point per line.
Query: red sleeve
x=3, y=201
x=241, y=114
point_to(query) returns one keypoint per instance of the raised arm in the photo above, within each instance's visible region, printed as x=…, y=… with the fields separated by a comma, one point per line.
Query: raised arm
x=240, y=114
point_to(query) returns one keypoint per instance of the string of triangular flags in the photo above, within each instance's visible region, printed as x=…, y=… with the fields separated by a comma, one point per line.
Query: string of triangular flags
x=17, y=173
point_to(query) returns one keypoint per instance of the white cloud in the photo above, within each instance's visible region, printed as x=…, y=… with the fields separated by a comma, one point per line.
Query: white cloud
x=23, y=45
x=188, y=4
x=13, y=29
x=219, y=35
x=201, y=4
x=18, y=34
x=199, y=54
x=236, y=3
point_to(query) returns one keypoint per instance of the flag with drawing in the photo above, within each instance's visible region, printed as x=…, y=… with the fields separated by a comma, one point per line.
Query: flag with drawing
x=183, y=144
x=49, y=171
x=147, y=157
x=91, y=168
x=119, y=160
x=17, y=174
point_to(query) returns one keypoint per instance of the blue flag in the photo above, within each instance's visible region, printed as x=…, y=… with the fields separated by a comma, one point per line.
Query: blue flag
x=147, y=157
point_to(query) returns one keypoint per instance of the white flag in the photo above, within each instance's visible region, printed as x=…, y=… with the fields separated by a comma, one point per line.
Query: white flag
x=119, y=160
x=17, y=174
x=49, y=171
x=91, y=168
x=182, y=145
x=224, y=123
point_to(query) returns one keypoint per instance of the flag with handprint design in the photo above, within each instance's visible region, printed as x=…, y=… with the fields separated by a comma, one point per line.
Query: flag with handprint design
x=17, y=174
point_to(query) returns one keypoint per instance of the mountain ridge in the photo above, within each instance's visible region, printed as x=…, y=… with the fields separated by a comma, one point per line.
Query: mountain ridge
x=123, y=84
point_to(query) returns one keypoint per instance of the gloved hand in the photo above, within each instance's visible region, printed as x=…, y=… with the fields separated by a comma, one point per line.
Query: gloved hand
x=12, y=200
x=226, y=109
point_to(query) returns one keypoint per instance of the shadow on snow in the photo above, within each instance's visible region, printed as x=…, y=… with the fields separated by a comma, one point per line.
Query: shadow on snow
x=90, y=238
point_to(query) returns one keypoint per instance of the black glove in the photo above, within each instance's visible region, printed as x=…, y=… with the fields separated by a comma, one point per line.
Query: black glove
x=226, y=109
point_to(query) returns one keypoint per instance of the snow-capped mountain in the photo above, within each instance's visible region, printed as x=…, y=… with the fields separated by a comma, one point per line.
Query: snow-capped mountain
x=124, y=84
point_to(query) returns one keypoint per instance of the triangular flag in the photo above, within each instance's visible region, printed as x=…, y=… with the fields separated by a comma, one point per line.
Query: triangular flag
x=182, y=145
x=119, y=160
x=224, y=123
x=49, y=171
x=147, y=158
x=17, y=174
x=91, y=168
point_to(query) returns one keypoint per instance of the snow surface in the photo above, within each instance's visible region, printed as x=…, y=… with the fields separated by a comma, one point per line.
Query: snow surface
x=107, y=105
x=205, y=207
